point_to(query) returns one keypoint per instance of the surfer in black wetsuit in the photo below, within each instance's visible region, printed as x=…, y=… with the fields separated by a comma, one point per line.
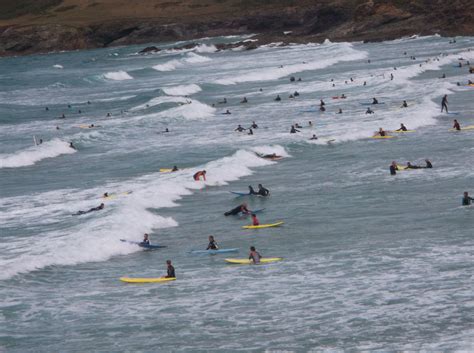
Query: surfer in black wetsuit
x=314, y=137
x=444, y=103
x=254, y=125
x=466, y=200
x=175, y=169
x=227, y=112
x=224, y=101
x=250, y=132
x=212, y=244
x=170, y=273
x=369, y=111
x=381, y=132
x=277, y=99
x=393, y=168
x=340, y=111
x=98, y=208
x=244, y=100
x=428, y=164
x=456, y=125
x=296, y=94
x=293, y=130
x=146, y=240
x=240, y=128
x=375, y=101
x=402, y=128
x=411, y=166
x=321, y=103
x=236, y=210
x=405, y=104
x=262, y=191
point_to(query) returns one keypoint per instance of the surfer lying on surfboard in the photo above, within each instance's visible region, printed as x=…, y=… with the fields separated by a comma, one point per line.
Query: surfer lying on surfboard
x=98, y=208
x=236, y=210
x=272, y=156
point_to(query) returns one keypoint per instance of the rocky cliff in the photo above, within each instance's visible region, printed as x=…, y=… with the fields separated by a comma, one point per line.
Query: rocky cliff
x=53, y=25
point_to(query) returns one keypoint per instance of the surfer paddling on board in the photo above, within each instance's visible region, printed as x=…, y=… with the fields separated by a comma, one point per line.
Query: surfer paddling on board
x=262, y=191
x=466, y=200
x=402, y=128
x=212, y=244
x=381, y=132
x=254, y=255
x=239, y=209
x=197, y=176
x=98, y=208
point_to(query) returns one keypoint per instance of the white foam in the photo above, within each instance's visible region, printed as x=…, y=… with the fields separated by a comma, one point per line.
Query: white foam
x=203, y=48
x=118, y=76
x=168, y=66
x=193, y=58
x=34, y=154
x=57, y=66
x=183, y=90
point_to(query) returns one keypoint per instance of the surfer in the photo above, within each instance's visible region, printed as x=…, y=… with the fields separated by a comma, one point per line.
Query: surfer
x=322, y=109
x=262, y=191
x=254, y=125
x=381, y=132
x=466, y=200
x=456, y=125
x=224, y=101
x=298, y=126
x=310, y=123
x=254, y=255
x=321, y=103
x=197, y=176
x=72, y=146
x=411, y=166
x=250, y=132
x=296, y=94
x=404, y=105
x=393, y=168
x=444, y=103
x=369, y=111
x=212, y=244
x=240, y=128
x=340, y=111
x=314, y=137
x=375, y=101
x=175, y=169
x=343, y=96
x=227, y=112
x=402, y=128
x=269, y=156
x=291, y=96
x=293, y=130
x=277, y=99
x=170, y=273
x=244, y=100
x=428, y=164
x=98, y=208
x=255, y=221
x=236, y=210
x=146, y=240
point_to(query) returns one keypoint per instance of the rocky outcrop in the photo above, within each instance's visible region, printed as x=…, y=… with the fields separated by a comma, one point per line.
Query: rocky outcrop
x=338, y=20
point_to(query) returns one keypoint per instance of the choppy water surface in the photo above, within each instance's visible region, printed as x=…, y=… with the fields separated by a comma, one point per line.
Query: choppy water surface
x=371, y=261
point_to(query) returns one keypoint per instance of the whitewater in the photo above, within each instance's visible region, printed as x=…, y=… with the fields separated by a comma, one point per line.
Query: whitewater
x=371, y=262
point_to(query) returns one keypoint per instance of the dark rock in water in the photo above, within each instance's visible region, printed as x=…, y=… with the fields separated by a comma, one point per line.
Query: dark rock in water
x=151, y=49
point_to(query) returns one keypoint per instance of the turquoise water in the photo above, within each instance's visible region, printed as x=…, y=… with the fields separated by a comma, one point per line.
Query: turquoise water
x=371, y=261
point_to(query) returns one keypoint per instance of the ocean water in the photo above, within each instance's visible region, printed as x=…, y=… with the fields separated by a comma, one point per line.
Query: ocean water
x=372, y=262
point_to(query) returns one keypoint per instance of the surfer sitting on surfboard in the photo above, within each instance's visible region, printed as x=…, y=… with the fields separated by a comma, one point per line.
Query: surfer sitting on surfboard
x=170, y=273
x=200, y=174
x=381, y=132
x=239, y=209
x=254, y=255
x=212, y=244
x=456, y=125
x=146, y=240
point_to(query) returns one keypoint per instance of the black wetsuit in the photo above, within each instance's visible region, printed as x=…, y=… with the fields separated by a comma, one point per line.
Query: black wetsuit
x=252, y=191
x=293, y=130
x=466, y=201
x=98, y=208
x=212, y=245
x=171, y=273
x=393, y=170
x=413, y=167
x=444, y=104
x=428, y=164
x=145, y=242
x=234, y=211
x=263, y=192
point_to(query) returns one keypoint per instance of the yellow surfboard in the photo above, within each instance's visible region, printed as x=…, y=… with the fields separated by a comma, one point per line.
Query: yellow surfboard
x=147, y=280
x=165, y=170
x=401, y=131
x=250, y=262
x=383, y=137
x=264, y=225
x=469, y=127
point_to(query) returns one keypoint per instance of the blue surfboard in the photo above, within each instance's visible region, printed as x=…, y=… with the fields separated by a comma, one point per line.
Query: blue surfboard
x=239, y=193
